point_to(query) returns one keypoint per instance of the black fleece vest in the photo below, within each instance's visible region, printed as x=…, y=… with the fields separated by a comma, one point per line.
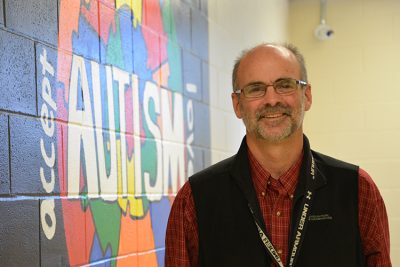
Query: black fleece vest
x=229, y=237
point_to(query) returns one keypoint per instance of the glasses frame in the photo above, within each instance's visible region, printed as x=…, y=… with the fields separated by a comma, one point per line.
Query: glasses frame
x=298, y=83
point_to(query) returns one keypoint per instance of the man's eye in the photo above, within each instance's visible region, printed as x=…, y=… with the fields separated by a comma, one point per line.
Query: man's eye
x=255, y=89
x=285, y=84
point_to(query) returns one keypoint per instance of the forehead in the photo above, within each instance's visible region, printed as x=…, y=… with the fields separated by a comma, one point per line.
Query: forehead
x=266, y=64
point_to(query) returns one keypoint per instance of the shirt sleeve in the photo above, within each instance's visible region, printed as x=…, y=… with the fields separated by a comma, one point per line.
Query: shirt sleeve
x=373, y=223
x=181, y=241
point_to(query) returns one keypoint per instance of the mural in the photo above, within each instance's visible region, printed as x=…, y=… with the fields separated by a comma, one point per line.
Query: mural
x=119, y=132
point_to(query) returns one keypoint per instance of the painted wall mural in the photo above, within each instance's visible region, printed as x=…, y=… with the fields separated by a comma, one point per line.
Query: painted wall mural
x=124, y=121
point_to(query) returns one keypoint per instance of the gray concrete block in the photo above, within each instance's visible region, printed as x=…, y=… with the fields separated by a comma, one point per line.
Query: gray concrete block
x=19, y=235
x=202, y=130
x=205, y=82
x=181, y=13
x=196, y=162
x=197, y=122
x=37, y=19
x=53, y=246
x=17, y=74
x=192, y=75
x=27, y=157
x=200, y=34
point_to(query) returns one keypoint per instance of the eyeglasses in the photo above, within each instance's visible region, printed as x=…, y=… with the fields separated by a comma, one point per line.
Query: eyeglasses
x=282, y=86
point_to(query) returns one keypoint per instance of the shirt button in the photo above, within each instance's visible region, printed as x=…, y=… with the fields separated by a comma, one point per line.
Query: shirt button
x=291, y=196
x=263, y=194
x=278, y=213
x=280, y=251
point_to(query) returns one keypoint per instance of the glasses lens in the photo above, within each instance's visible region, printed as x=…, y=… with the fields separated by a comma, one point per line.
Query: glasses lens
x=285, y=86
x=254, y=90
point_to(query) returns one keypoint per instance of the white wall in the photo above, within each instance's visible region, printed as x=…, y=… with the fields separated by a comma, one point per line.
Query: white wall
x=356, y=110
x=233, y=26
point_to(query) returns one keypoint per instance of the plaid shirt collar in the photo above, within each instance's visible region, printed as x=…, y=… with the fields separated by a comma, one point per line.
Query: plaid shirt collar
x=262, y=178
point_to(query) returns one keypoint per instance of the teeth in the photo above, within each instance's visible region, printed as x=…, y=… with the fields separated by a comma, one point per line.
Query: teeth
x=271, y=116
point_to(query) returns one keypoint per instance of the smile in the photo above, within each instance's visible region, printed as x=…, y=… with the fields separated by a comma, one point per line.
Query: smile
x=273, y=113
x=273, y=116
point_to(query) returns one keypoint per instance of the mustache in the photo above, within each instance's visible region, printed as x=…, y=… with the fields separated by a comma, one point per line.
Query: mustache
x=268, y=109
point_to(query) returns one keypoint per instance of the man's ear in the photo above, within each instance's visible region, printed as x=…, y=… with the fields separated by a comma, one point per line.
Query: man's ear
x=308, y=98
x=235, y=104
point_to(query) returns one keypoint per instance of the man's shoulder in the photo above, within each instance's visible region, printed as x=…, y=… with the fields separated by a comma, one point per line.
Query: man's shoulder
x=326, y=161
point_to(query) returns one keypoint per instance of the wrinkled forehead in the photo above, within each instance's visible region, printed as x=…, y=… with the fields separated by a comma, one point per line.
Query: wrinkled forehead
x=268, y=62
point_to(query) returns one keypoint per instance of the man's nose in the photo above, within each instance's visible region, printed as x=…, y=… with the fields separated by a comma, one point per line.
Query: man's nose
x=271, y=96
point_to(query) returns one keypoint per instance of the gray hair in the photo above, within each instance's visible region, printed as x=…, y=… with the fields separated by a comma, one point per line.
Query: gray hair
x=295, y=51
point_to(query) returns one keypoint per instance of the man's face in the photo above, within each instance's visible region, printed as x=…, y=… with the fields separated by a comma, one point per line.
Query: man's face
x=272, y=117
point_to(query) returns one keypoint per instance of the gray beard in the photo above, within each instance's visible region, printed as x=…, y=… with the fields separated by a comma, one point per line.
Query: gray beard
x=263, y=134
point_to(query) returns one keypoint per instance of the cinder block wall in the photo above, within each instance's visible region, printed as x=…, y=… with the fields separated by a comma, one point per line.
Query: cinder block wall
x=356, y=97
x=104, y=112
x=105, y=108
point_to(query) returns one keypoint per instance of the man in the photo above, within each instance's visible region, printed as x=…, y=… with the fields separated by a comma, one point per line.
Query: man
x=276, y=202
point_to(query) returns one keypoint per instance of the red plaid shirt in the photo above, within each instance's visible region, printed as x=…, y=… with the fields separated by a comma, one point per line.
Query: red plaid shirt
x=275, y=200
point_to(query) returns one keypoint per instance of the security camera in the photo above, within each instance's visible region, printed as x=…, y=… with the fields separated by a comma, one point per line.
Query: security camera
x=323, y=32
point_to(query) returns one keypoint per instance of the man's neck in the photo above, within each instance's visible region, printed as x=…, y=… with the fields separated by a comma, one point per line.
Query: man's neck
x=276, y=158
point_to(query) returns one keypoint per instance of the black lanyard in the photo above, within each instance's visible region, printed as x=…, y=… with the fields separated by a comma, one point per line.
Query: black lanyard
x=301, y=225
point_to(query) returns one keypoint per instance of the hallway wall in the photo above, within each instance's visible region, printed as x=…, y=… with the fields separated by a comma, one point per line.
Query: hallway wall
x=106, y=107
x=356, y=96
